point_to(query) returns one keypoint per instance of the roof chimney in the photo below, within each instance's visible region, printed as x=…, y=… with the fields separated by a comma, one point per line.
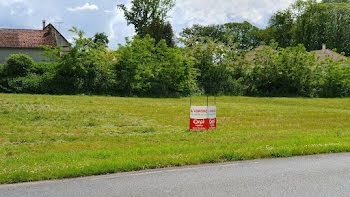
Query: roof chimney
x=44, y=24
x=324, y=47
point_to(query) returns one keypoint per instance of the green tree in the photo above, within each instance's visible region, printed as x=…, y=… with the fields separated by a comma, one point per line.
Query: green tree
x=331, y=79
x=144, y=12
x=18, y=65
x=281, y=72
x=217, y=65
x=325, y=23
x=149, y=69
x=216, y=32
x=282, y=28
x=101, y=38
x=335, y=1
x=245, y=34
x=312, y=24
x=85, y=68
x=160, y=30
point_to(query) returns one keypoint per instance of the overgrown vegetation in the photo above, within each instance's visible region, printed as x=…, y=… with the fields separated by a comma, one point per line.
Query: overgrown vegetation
x=145, y=68
x=213, y=59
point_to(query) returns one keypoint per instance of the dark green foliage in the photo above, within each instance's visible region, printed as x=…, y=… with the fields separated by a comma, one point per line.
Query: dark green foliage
x=2, y=79
x=149, y=69
x=101, y=38
x=146, y=67
x=215, y=32
x=327, y=23
x=18, y=65
x=216, y=63
x=281, y=28
x=143, y=13
x=37, y=79
x=295, y=72
x=335, y=1
x=245, y=34
x=85, y=68
x=312, y=24
x=283, y=72
x=332, y=79
x=161, y=30
x=273, y=71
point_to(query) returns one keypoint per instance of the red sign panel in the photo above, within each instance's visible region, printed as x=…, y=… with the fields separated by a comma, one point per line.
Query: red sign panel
x=199, y=124
x=212, y=123
x=203, y=118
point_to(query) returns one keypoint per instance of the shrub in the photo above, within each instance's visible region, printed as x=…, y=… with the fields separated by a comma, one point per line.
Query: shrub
x=282, y=72
x=331, y=79
x=18, y=65
x=2, y=78
x=32, y=84
x=147, y=69
x=216, y=63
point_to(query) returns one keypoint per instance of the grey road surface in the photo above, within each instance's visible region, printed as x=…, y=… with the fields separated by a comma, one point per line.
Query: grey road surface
x=322, y=175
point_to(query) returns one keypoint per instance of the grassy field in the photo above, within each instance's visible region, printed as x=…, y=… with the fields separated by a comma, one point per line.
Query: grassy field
x=50, y=137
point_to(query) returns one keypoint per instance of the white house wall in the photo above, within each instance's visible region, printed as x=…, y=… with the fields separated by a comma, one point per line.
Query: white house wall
x=34, y=53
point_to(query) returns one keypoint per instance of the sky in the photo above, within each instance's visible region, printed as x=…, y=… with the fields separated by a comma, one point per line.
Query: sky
x=103, y=16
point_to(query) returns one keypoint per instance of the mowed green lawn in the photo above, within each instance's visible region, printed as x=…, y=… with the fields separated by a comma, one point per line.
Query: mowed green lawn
x=50, y=137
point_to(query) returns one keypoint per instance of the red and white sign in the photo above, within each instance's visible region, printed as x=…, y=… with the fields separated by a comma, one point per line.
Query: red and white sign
x=212, y=117
x=199, y=118
x=203, y=117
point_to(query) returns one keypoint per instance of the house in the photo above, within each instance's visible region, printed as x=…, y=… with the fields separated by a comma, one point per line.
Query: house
x=324, y=53
x=28, y=41
x=320, y=54
x=251, y=55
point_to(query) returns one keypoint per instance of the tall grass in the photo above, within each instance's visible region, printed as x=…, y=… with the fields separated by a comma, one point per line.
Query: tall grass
x=50, y=137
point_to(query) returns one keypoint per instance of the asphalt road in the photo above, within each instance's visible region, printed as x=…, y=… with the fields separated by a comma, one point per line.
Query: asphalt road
x=322, y=175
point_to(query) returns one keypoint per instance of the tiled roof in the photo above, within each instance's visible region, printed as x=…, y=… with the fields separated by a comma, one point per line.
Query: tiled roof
x=251, y=55
x=22, y=38
x=324, y=53
x=321, y=54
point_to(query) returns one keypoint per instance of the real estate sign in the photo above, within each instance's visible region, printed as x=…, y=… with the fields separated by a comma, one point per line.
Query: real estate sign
x=203, y=117
x=212, y=117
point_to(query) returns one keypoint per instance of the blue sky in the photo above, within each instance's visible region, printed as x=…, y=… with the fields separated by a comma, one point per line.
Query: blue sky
x=102, y=16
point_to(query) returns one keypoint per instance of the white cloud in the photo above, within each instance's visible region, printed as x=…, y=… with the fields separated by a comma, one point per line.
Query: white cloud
x=189, y=12
x=86, y=6
x=118, y=28
x=29, y=13
x=8, y=3
x=17, y=7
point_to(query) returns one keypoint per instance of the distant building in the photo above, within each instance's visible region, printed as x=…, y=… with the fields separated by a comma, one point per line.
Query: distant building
x=324, y=53
x=320, y=54
x=251, y=55
x=27, y=41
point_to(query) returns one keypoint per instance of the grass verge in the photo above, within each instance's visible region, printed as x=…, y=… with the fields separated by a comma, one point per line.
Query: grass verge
x=52, y=137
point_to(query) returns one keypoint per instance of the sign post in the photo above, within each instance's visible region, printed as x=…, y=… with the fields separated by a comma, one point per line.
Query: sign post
x=203, y=117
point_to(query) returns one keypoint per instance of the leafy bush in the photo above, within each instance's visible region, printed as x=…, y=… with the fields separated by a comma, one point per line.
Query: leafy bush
x=332, y=79
x=2, y=78
x=38, y=81
x=282, y=72
x=218, y=65
x=86, y=68
x=147, y=69
x=1, y=69
x=143, y=67
x=18, y=65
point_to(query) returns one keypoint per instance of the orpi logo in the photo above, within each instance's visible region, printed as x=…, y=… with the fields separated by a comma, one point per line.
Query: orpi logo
x=198, y=122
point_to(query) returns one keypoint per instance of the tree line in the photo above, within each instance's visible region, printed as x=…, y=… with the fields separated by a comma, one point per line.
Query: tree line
x=211, y=59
